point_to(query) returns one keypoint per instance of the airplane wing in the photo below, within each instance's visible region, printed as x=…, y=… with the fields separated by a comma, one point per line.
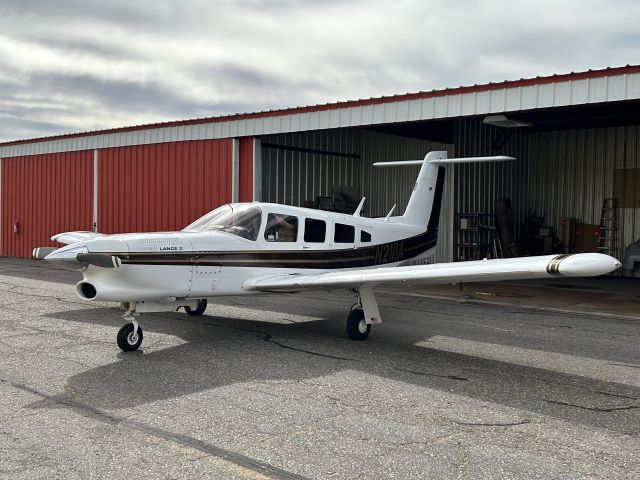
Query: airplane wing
x=72, y=237
x=576, y=265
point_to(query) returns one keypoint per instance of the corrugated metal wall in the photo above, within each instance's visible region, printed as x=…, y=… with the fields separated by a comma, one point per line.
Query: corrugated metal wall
x=296, y=177
x=163, y=186
x=46, y=194
x=479, y=185
x=385, y=187
x=571, y=171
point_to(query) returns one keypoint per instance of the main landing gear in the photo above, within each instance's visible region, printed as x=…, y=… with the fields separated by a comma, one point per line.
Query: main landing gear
x=130, y=335
x=363, y=314
x=357, y=327
x=199, y=310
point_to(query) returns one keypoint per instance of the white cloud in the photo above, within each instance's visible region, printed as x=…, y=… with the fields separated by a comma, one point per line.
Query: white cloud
x=98, y=65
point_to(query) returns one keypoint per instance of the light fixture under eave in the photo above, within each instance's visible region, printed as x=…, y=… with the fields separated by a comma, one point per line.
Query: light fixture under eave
x=504, y=121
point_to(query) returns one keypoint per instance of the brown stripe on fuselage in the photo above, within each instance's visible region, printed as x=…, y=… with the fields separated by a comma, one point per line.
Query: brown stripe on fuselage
x=365, y=256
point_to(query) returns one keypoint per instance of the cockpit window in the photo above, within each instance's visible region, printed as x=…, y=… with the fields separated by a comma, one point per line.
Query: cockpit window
x=241, y=220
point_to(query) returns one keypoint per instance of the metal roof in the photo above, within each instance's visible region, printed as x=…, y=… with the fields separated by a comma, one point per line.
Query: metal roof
x=575, y=88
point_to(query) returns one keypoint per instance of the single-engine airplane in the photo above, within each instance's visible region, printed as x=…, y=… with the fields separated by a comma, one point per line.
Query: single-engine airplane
x=259, y=248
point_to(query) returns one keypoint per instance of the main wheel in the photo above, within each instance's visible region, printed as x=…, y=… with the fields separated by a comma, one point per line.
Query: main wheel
x=357, y=326
x=126, y=340
x=202, y=306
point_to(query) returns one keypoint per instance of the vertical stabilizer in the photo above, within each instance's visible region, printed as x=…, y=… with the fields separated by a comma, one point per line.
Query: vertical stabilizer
x=424, y=205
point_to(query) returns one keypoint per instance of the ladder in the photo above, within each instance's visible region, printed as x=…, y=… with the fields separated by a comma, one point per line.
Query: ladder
x=608, y=236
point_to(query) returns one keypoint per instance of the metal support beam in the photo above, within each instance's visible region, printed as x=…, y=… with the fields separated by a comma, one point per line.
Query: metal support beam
x=257, y=170
x=235, y=170
x=94, y=220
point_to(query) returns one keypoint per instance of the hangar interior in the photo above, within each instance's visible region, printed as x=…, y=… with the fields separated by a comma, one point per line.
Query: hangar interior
x=574, y=137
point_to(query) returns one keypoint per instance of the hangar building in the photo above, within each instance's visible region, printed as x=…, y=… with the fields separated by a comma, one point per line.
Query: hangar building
x=575, y=137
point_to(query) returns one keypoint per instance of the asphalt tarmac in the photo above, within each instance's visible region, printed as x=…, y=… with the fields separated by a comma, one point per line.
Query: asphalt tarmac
x=271, y=387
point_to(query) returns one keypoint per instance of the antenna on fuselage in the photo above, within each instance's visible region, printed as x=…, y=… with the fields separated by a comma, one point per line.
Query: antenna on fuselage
x=359, y=209
x=386, y=219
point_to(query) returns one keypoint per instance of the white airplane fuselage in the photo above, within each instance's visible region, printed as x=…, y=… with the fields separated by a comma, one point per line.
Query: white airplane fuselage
x=165, y=266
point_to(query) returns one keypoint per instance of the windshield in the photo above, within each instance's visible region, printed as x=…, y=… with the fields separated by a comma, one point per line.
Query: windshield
x=241, y=220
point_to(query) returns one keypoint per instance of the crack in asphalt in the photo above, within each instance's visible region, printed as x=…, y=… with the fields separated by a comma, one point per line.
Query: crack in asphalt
x=207, y=448
x=618, y=395
x=593, y=409
x=409, y=309
x=625, y=365
x=524, y=421
x=425, y=374
x=548, y=325
x=269, y=339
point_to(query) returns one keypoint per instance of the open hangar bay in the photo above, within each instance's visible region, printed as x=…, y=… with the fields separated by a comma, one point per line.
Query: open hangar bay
x=575, y=137
x=270, y=387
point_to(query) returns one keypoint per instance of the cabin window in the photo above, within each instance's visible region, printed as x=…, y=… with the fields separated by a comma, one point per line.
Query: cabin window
x=344, y=233
x=365, y=237
x=314, y=230
x=281, y=228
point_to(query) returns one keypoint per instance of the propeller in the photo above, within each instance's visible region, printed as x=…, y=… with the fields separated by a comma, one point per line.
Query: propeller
x=41, y=252
x=99, y=260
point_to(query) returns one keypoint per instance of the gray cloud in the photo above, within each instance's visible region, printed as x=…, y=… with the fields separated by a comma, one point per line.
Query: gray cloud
x=73, y=65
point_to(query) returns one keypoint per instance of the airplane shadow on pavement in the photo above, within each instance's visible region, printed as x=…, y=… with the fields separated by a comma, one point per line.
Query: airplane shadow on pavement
x=220, y=351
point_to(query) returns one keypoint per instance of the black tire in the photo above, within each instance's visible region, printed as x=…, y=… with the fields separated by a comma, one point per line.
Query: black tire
x=357, y=327
x=125, y=340
x=202, y=306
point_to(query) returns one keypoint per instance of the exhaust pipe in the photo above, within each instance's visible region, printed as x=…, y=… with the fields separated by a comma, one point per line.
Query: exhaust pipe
x=86, y=290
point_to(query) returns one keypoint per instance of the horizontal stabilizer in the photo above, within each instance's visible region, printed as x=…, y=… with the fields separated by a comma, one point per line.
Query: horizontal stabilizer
x=445, y=161
x=41, y=252
x=99, y=260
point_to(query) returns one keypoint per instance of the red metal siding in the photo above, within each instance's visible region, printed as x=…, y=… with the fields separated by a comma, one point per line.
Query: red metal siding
x=246, y=169
x=161, y=187
x=46, y=194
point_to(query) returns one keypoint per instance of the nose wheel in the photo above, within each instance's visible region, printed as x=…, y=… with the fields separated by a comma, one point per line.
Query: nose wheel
x=130, y=335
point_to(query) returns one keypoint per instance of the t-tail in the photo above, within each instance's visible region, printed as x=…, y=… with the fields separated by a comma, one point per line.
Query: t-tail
x=423, y=208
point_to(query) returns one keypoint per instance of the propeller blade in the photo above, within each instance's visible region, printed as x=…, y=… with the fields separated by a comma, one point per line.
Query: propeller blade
x=99, y=260
x=41, y=252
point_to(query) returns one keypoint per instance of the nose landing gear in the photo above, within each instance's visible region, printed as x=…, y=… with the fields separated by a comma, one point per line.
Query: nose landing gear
x=130, y=335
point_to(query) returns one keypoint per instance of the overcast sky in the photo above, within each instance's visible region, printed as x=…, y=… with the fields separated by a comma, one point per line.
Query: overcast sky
x=77, y=65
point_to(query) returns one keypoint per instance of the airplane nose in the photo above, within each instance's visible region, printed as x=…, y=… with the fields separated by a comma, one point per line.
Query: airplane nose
x=65, y=257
